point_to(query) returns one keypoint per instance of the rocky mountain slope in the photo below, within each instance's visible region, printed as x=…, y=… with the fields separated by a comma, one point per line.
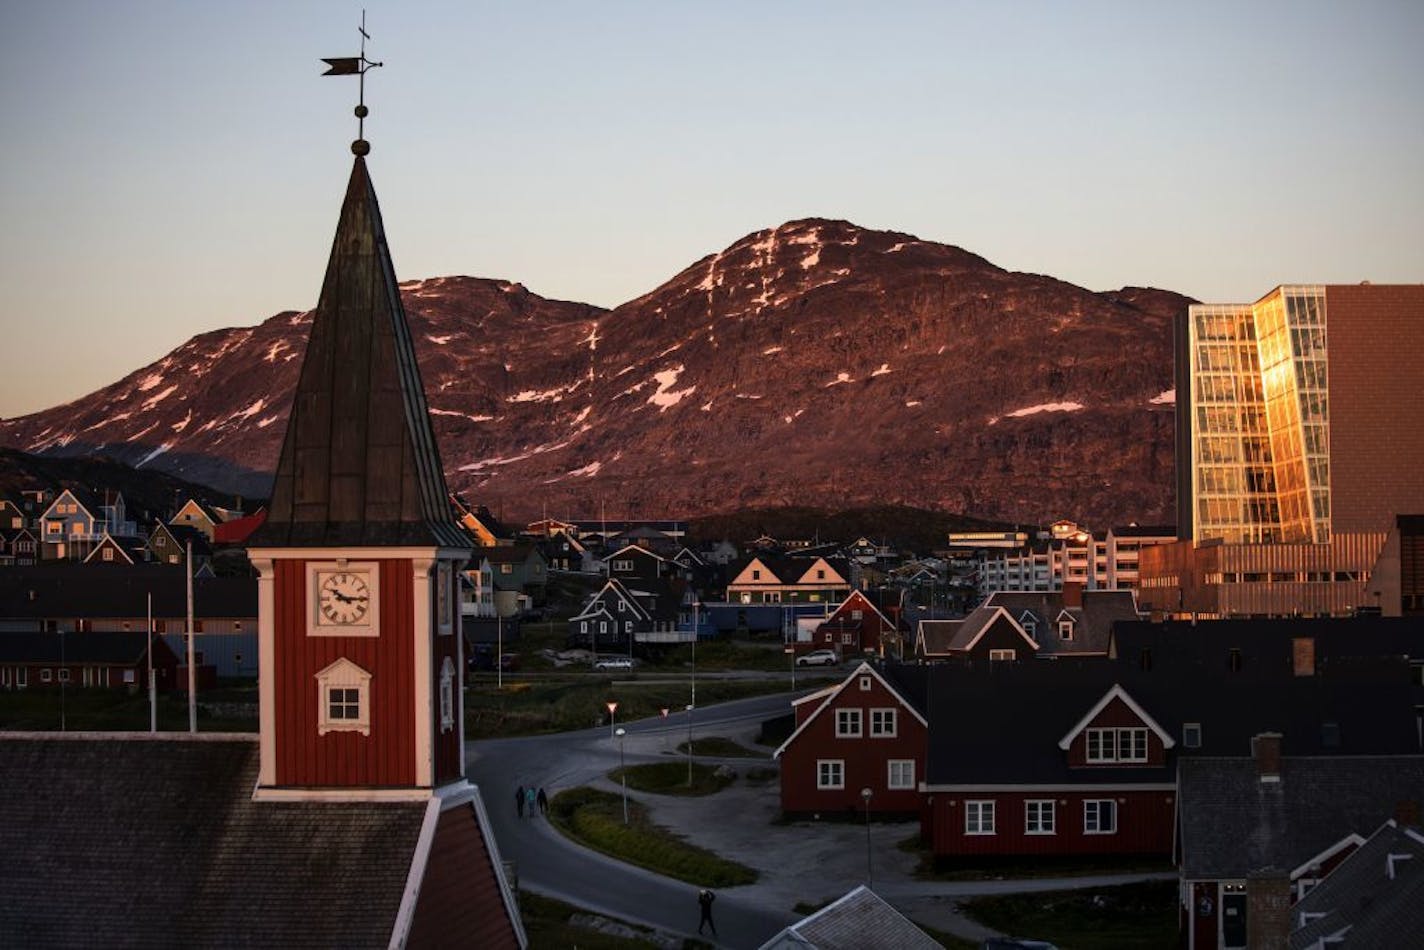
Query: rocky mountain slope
x=815, y=363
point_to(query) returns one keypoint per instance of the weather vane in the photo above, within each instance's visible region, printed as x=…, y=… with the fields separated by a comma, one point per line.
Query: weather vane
x=355, y=66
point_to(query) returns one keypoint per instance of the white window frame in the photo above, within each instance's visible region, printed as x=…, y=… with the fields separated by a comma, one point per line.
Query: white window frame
x=1093, y=813
x=622, y=566
x=900, y=774
x=830, y=773
x=63, y=676
x=1003, y=656
x=46, y=675
x=979, y=817
x=1106, y=744
x=343, y=675
x=1065, y=630
x=849, y=724
x=888, y=717
x=1040, y=816
x=1191, y=735
x=865, y=684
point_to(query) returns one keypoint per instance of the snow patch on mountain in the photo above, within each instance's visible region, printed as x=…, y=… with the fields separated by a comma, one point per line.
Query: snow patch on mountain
x=1166, y=397
x=666, y=397
x=539, y=395
x=1044, y=407
x=772, y=349
x=440, y=340
x=840, y=378
x=462, y=415
x=266, y=421
x=182, y=424
x=154, y=454
x=155, y=400
x=884, y=368
x=149, y=382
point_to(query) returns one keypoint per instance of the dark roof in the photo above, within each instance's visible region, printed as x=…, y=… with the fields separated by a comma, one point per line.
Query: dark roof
x=516, y=553
x=858, y=921
x=170, y=850
x=185, y=533
x=1232, y=823
x=1379, y=898
x=238, y=530
x=359, y=464
x=1269, y=643
x=60, y=590
x=1145, y=531
x=1093, y=617
x=118, y=649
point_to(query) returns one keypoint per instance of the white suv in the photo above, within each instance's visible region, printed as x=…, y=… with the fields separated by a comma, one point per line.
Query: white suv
x=818, y=658
x=613, y=663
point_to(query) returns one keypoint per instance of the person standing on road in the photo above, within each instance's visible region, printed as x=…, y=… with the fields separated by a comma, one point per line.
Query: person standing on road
x=519, y=800
x=704, y=900
x=529, y=800
x=543, y=801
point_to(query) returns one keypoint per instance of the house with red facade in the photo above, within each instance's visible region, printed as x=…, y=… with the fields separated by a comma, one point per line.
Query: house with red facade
x=864, y=733
x=862, y=623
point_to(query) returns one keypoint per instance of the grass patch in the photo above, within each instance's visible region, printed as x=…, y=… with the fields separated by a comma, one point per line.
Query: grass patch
x=595, y=819
x=547, y=924
x=719, y=747
x=728, y=655
x=670, y=778
x=117, y=710
x=576, y=701
x=1104, y=918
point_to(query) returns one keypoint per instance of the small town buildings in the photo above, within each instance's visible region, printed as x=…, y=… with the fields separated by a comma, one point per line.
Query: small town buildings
x=633, y=562
x=18, y=547
x=769, y=580
x=1067, y=555
x=865, y=622
x=864, y=733
x=1018, y=626
x=642, y=611
x=480, y=523
x=169, y=544
x=84, y=661
x=194, y=514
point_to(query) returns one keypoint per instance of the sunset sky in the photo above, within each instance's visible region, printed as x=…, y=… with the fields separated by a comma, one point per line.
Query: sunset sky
x=169, y=168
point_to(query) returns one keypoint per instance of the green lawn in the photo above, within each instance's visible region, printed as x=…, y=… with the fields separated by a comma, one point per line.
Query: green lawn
x=595, y=819
x=1104, y=918
x=547, y=924
x=670, y=778
x=115, y=710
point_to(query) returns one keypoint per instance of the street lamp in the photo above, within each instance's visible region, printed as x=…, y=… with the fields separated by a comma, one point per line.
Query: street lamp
x=612, y=714
x=866, y=793
x=689, y=745
x=623, y=771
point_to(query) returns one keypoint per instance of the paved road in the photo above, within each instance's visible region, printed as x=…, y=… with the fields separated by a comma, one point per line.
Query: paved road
x=548, y=863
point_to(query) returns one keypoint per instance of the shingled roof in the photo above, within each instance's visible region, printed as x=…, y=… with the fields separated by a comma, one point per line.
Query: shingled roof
x=170, y=850
x=860, y=920
x=1375, y=898
x=359, y=464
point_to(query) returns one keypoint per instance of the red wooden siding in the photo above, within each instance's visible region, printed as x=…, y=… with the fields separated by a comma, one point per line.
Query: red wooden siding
x=460, y=903
x=387, y=756
x=1116, y=713
x=1144, y=824
x=866, y=758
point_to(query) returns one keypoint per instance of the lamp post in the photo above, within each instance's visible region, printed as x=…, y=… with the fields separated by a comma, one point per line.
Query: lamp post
x=623, y=771
x=866, y=793
x=689, y=745
x=612, y=716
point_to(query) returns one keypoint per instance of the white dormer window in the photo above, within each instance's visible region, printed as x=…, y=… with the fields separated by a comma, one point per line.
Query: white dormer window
x=447, y=695
x=344, y=698
x=857, y=615
x=1065, y=629
x=1030, y=627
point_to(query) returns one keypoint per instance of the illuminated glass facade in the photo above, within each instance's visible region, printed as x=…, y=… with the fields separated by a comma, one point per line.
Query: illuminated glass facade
x=1260, y=419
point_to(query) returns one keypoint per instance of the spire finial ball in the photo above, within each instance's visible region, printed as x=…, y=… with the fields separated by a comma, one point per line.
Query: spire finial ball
x=362, y=112
x=360, y=147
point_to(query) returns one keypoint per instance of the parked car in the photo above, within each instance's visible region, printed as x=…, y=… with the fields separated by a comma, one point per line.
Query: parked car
x=818, y=658
x=613, y=663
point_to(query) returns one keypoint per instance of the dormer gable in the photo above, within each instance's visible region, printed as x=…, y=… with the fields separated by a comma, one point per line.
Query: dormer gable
x=1116, y=731
x=1065, y=625
x=343, y=698
x=1028, y=623
x=756, y=571
x=858, y=603
x=863, y=679
x=108, y=551
x=68, y=505
x=972, y=635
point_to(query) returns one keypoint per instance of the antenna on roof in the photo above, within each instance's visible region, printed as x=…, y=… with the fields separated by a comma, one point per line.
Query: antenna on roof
x=356, y=66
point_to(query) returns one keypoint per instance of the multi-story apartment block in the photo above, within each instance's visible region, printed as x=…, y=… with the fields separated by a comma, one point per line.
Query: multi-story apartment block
x=1073, y=555
x=1299, y=447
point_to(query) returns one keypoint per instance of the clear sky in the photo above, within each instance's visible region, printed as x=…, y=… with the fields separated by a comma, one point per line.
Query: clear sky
x=168, y=168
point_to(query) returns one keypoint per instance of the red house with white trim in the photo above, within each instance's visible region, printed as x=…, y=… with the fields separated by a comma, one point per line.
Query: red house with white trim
x=858, y=625
x=863, y=733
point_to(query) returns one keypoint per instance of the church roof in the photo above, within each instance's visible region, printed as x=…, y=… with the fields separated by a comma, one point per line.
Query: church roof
x=359, y=464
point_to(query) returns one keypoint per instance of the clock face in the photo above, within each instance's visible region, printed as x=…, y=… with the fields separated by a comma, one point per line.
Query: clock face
x=344, y=598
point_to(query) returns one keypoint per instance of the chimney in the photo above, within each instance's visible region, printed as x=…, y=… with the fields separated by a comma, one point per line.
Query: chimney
x=1303, y=655
x=1072, y=594
x=1406, y=812
x=1268, y=915
x=1266, y=748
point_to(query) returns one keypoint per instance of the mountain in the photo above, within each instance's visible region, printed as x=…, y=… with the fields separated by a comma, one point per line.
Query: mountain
x=816, y=363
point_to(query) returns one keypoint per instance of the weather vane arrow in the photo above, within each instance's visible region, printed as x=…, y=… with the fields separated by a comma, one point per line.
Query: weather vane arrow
x=355, y=66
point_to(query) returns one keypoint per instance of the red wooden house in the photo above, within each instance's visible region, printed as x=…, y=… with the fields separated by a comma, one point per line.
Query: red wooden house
x=864, y=733
x=859, y=625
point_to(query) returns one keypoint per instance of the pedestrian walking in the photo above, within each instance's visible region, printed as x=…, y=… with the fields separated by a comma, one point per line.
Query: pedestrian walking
x=529, y=800
x=704, y=900
x=543, y=801
x=519, y=800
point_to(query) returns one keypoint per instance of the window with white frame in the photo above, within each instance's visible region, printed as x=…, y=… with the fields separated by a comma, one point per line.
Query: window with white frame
x=830, y=773
x=622, y=606
x=848, y=638
x=979, y=817
x=1065, y=629
x=623, y=566
x=1191, y=735
x=882, y=722
x=847, y=723
x=1100, y=817
x=1117, y=745
x=857, y=615
x=1038, y=816
x=1002, y=656
x=447, y=695
x=865, y=684
x=344, y=698
x=46, y=675
x=901, y=773
x=107, y=554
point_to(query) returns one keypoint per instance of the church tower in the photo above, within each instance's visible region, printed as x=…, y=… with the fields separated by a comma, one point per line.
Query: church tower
x=358, y=615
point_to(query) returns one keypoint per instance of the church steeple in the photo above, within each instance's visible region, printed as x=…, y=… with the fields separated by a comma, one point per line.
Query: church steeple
x=359, y=464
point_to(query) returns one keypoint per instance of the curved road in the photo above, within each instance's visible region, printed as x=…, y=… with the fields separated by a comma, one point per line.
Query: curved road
x=548, y=863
